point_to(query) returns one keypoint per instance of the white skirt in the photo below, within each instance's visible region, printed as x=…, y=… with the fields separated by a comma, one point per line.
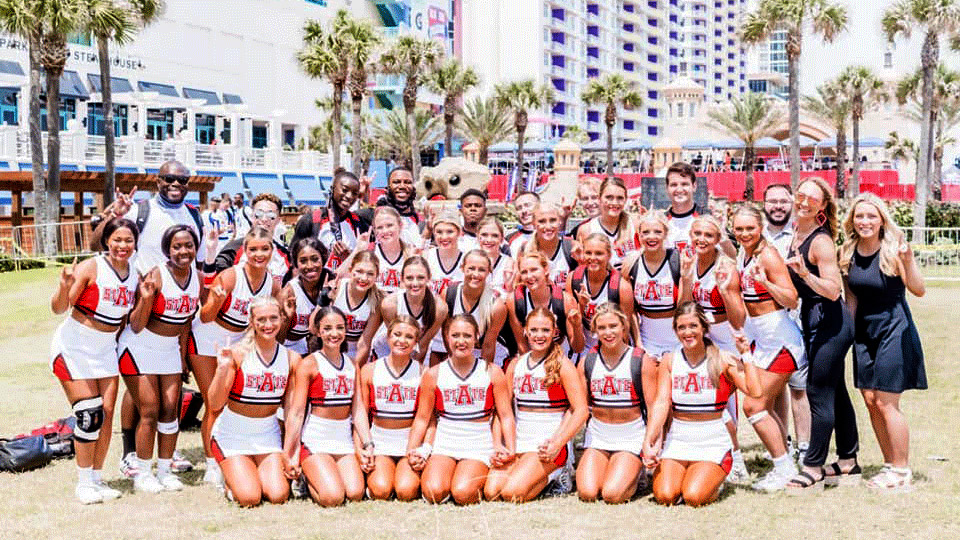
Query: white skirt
x=78, y=352
x=657, y=335
x=461, y=439
x=147, y=353
x=298, y=346
x=699, y=441
x=625, y=437
x=777, y=342
x=389, y=442
x=533, y=428
x=722, y=336
x=206, y=337
x=237, y=435
x=326, y=436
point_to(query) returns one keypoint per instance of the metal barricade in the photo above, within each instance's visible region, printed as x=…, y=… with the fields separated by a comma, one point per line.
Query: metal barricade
x=72, y=239
x=937, y=251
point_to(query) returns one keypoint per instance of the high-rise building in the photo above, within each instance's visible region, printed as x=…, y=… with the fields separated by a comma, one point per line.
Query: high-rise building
x=565, y=43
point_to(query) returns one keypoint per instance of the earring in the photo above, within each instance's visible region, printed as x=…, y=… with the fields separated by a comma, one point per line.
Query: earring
x=821, y=218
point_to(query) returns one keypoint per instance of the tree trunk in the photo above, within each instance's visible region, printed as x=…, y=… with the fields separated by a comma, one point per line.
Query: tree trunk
x=855, y=173
x=410, y=106
x=449, y=110
x=53, y=159
x=337, y=117
x=41, y=215
x=937, y=176
x=609, y=150
x=484, y=154
x=841, y=161
x=521, y=125
x=357, y=103
x=109, y=137
x=932, y=180
x=928, y=61
x=749, y=160
x=793, y=67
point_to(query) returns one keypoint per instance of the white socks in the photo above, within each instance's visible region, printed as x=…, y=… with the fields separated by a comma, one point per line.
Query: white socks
x=163, y=466
x=784, y=465
x=212, y=464
x=86, y=476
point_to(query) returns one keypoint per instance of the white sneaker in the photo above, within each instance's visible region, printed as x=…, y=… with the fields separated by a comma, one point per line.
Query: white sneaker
x=738, y=473
x=129, y=466
x=180, y=463
x=88, y=494
x=107, y=492
x=170, y=482
x=772, y=481
x=213, y=476
x=147, y=483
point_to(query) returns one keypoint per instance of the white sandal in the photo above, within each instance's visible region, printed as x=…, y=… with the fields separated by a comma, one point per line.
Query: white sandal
x=892, y=480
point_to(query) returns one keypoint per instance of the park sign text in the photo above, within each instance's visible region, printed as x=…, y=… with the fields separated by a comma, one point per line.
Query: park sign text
x=77, y=53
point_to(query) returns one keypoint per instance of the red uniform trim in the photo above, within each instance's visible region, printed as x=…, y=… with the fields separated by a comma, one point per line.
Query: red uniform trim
x=60, y=369
x=727, y=462
x=191, y=344
x=561, y=458
x=304, y=452
x=316, y=393
x=784, y=362
x=216, y=451
x=128, y=365
x=237, y=389
x=89, y=298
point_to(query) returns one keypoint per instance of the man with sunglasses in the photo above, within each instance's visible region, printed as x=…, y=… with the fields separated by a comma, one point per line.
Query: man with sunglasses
x=266, y=213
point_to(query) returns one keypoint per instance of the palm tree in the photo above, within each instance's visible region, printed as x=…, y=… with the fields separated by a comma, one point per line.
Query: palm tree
x=612, y=91
x=413, y=58
x=832, y=106
x=576, y=134
x=827, y=20
x=117, y=21
x=863, y=89
x=948, y=118
x=451, y=80
x=324, y=56
x=394, y=136
x=937, y=18
x=945, y=97
x=485, y=121
x=902, y=148
x=519, y=97
x=748, y=118
x=360, y=41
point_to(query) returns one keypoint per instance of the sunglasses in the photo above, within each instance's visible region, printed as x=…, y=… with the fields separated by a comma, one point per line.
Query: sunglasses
x=171, y=178
x=264, y=215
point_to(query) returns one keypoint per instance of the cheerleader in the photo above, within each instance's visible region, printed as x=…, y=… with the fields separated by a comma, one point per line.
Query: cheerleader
x=595, y=283
x=610, y=464
x=477, y=299
x=330, y=454
x=654, y=278
x=445, y=259
x=302, y=293
x=535, y=290
x=548, y=240
x=388, y=390
x=83, y=351
x=613, y=221
x=151, y=358
x=465, y=392
x=415, y=300
x=357, y=297
x=551, y=405
x=223, y=319
x=490, y=238
x=248, y=388
x=695, y=381
x=774, y=337
x=389, y=248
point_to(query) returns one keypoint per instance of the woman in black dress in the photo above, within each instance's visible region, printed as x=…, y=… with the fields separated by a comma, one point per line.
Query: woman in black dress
x=827, y=336
x=878, y=267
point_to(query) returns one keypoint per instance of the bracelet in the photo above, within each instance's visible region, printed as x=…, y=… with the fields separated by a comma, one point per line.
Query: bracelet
x=368, y=444
x=425, y=450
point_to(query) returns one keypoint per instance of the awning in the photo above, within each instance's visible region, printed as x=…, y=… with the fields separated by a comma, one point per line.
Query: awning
x=232, y=99
x=101, y=168
x=229, y=182
x=27, y=166
x=70, y=86
x=265, y=183
x=118, y=85
x=305, y=189
x=162, y=89
x=210, y=97
x=9, y=67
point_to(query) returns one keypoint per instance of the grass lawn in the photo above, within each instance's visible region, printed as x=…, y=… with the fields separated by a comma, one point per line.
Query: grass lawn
x=40, y=504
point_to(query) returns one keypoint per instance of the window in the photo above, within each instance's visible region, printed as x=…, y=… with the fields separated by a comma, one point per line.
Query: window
x=652, y=131
x=259, y=136
x=651, y=94
x=8, y=107
x=95, y=119
x=68, y=111
x=206, y=127
x=225, y=133
x=651, y=76
x=593, y=116
x=317, y=2
x=679, y=110
x=888, y=59
x=628, y=124
x=651, y=112
x=652, y=58
x=80, y=39
x=628, y=66
x=628, y=47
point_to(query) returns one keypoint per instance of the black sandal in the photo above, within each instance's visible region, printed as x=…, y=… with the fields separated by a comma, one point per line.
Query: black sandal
x=835, y=476
x=803, y=482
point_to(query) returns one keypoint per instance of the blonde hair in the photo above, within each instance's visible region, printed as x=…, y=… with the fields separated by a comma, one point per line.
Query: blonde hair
x=491, y=220
x=245, y=344
x=829, y=204
x=608, y=308
x=405, y=250
x=554, y=357
x=752, y=211
x=484, y=307
x=890, y=236
x=716, y=362
x=590, y=182
x=532, y=244
x=654, y=216
x=624, y=227
x=540, y=257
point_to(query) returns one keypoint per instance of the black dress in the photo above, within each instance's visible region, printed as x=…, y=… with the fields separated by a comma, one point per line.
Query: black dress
x=887, y=354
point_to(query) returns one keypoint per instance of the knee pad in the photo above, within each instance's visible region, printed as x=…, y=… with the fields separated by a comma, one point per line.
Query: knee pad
x=753, y=419
x=168, y=428
x=89, y=415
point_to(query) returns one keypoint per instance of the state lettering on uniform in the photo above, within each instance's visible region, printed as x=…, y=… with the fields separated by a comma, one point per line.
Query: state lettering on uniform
x=655, y=290
x=354, y=324
x=341, y=385
x=610, y=385
x=396, y=393
x=184, y=304
x=692, y=383
x=464, y=395
x=241, y=306
x=119, y=296
x=389, y=278
x=266, y=382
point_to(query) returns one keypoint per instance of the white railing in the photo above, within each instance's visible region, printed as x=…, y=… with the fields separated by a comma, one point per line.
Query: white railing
x=253, y=158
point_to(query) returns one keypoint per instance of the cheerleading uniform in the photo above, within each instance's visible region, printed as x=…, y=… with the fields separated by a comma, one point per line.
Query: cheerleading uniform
x=694, y=392
x=78, y=352
x=300, y=327
x=147, y=353
x=497, y=280
x=357, y=316
x=464, y=407
x=440, y=276
x=256, y=382
x=529, y=390
x=393, y=396
x=615, y=388
x=389, y=278
x=620, y=247
x=235, y=312
x=775, y=338
x=656, y=292
x=706, y=292
x=332, y=386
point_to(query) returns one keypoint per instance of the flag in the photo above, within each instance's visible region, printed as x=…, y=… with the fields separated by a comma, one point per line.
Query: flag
x=512, y=184
x=532, y=176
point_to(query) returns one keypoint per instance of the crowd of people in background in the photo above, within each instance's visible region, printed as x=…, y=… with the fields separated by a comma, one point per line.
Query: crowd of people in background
x=392, y=352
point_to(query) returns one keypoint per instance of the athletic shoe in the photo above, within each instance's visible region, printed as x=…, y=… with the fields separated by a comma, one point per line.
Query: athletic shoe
x=299, y=489
x=170, y=482
x=214, y=477
x=562, y=484
x=180, y=463
x=88, y=494
x=107, y=492
x=147, y=483
x=738, y=473
x=772, y=481
x=129, y=466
